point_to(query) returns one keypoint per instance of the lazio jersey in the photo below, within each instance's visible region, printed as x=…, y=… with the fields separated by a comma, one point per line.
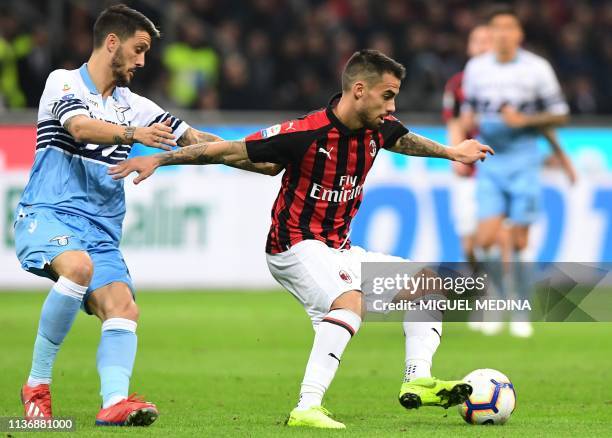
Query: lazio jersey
x=71, y=177
x=529, y=84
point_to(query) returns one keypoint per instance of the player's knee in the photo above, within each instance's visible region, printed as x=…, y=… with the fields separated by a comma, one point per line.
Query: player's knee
x=120, y=308
x=486, y=242
x=520, y=244
x=79, y=271
x=351, y=300
x=128, y=310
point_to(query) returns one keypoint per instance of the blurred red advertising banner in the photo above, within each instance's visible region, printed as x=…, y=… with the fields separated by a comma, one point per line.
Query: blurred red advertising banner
x=17, y=144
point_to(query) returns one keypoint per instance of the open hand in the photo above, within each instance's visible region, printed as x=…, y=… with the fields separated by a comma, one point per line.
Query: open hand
x=470, y=151
x=143, y=166
x=158, y=135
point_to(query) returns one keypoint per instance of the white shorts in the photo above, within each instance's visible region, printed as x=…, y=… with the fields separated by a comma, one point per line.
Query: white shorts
x=464, y=205
x=317, y=274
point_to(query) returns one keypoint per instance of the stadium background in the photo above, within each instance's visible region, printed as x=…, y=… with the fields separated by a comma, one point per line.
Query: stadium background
x=236, y=67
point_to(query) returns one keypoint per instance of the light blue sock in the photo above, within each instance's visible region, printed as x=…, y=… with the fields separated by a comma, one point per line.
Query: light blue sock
x=521, y=271
x=115, y=359
x=58, y=313
x=494, y=269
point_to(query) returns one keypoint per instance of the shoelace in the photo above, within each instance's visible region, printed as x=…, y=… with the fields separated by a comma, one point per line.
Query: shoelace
x=42, y=399
x=136, y=398
x=325, y=411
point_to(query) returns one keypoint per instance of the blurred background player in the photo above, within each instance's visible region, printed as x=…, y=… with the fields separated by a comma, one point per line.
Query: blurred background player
x=327, y=156
x=510, y=96
x=69, y=219
x=464, y=187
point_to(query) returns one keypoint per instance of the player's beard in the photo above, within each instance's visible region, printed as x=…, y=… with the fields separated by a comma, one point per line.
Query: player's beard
x=120, y=74
x=368, y=121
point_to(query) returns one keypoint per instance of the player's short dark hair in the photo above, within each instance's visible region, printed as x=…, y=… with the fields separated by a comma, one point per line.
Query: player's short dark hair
x=369, y=64
x=502, y=9
x=123, y=22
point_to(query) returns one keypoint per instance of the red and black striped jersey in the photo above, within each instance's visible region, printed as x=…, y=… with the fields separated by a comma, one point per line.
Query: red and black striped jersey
x=326, y=164
x=453, y=97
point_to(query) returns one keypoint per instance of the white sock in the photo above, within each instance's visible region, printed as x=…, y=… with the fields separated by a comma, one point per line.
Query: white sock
x=113, y=401
x=422, y=341
x=332, y=336
x=32, y=382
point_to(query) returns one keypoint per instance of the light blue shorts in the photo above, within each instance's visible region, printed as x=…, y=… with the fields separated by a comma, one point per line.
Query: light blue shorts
x=43, y=234
x=515, y=195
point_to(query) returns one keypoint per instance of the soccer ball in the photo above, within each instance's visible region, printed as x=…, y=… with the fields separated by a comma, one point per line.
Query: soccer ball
x=492, y=400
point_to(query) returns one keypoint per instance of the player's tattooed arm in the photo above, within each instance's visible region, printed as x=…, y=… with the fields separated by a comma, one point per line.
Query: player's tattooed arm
x=231, y=153
x=468, y=151
x=193, y=136
x=85, y=129
x=419, y=146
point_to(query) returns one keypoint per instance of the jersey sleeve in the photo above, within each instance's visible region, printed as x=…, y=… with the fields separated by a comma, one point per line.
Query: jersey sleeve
x=392, y=129
x=61, y=98
x=276, y=144
x=549, y=91
x=148, y=113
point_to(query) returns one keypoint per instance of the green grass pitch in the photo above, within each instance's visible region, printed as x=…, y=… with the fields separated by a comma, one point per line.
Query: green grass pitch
x=230, y=364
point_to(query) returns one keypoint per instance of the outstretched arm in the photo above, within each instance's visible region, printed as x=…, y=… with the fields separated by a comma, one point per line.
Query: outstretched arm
x=192, y=136
x=468, y=151
x=229, y=153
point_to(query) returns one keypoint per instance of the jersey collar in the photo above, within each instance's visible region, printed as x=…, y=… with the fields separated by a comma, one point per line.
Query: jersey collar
x=89, y=82
x=335, y=121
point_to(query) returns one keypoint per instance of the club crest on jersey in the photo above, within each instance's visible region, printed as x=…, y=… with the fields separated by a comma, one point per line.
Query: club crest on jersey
x=372, y=148
x=120, y=111
x=61, y=240
x=271, y=131
x=66, y=88
x=345, y=276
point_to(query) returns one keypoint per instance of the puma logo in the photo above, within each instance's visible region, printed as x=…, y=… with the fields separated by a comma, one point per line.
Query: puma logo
x=326, y=152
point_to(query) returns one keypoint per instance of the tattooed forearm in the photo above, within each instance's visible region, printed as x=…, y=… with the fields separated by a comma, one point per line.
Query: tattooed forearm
x=128, y=134
x=192, y=136
x=193, y=154
x=419, y=146
x=225, y=152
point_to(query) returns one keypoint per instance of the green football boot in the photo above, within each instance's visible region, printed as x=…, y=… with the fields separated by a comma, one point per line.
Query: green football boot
x=316, y=416
x=429, y=391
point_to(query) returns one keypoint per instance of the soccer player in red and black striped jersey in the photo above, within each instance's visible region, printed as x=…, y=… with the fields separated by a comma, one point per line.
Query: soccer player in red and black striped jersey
x=326, y=156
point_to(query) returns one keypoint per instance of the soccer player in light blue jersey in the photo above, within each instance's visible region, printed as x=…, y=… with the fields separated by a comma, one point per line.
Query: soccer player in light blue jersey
x=68, y=221
x=511, y=96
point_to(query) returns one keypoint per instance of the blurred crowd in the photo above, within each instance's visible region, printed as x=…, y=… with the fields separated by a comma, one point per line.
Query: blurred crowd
x=287, y=54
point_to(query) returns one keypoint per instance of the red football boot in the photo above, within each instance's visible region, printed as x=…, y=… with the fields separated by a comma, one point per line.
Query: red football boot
x=36, y=401
x=133, y=411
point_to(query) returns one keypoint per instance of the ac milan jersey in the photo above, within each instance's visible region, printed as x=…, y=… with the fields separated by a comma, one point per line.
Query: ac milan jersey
x=326, y=164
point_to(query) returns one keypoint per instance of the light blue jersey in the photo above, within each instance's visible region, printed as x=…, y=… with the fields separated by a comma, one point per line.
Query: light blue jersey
x=508, y=182
x=71, y=177
x=70, y=201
